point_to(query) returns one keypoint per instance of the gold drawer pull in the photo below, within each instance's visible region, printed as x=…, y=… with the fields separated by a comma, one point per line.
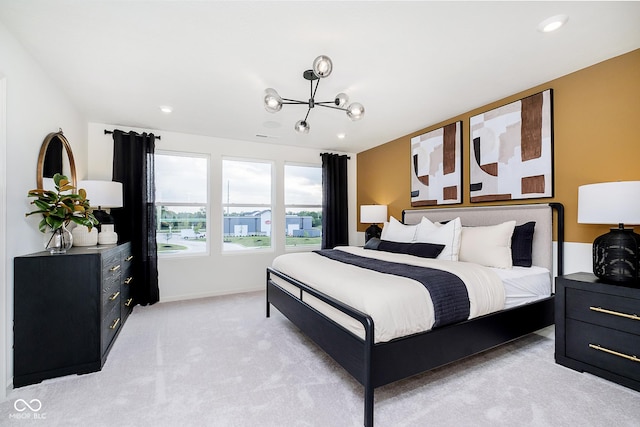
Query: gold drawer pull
x=128, y=302
x=115, y=268
x=114, y=296
x=615, y=353
x=615, y=313
x=115, y=323
x=128, y=280
x=129, y=258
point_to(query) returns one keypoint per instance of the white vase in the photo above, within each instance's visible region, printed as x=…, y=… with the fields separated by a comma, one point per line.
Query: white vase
x=107, y=236
x=58, y=241
x=83, y=237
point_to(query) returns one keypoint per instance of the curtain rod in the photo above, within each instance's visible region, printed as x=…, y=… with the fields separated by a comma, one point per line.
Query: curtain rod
x=109, y=132
x=348, y=157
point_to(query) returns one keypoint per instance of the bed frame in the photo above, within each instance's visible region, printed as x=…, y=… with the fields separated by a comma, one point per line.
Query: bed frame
x=377, y=364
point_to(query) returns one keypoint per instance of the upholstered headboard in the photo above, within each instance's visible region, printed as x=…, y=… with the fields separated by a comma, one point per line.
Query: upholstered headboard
x=542, y=214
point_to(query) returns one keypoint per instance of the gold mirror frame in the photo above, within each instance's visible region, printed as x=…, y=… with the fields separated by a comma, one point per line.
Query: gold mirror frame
x=43, y=153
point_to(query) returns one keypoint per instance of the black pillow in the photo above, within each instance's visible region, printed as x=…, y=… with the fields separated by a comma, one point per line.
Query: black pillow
x=423, y=250
x=522, y=244
x=372, y=243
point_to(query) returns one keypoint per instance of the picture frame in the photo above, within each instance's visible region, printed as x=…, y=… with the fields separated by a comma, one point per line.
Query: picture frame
x=511, y=151
x=436, y=166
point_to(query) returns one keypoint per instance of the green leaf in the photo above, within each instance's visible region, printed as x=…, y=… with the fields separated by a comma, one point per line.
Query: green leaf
x=57, y=178
x=54, y=222
x=41, y=205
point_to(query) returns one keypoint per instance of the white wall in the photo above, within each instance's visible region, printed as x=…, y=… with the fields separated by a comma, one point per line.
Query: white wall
x=35, y=106
x=218, y=273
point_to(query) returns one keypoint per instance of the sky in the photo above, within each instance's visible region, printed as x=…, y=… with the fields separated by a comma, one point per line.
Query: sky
x=183, y=179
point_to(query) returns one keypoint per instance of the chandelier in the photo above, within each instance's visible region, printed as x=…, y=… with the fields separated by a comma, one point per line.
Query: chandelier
x=322, y=67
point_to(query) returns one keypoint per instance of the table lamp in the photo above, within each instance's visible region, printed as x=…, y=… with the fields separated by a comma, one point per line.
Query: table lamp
x=373, y=214
x=616, y=254
x=104, y=194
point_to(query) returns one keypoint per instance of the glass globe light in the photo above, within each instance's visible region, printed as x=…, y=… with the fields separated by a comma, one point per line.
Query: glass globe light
x=341, y=99
x=272, y=101
x=322, y=66
x=355, y=111
x=302, y=126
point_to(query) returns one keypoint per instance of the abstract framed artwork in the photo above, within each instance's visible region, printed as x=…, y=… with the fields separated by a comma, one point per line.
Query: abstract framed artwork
x=436, y=172
x=511, y=150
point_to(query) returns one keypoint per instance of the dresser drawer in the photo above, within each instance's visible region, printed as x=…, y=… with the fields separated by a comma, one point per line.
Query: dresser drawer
x=609, y=349
x=110, y=294
x=110, y=325
x=612, y=311
x=111, y=265
x=126, y=300
x=127, y=259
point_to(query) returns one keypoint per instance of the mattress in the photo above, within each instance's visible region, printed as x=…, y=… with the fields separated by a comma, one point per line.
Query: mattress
x=401, y=306
x=523, y=285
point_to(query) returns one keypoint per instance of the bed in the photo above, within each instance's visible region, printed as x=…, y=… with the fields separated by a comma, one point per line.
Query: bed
x=355, y=333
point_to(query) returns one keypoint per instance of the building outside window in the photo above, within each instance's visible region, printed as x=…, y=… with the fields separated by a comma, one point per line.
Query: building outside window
x=303, y=205
x=182, y=203
x=246, y=205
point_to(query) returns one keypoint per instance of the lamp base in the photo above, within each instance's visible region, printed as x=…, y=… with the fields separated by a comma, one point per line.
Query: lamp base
x=616, y=256
x=372, y=231
x=103, y=217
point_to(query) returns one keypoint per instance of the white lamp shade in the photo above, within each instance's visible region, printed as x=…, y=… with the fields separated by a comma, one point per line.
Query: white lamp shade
x=373, y=214
x=103, y=194
x=609, y=203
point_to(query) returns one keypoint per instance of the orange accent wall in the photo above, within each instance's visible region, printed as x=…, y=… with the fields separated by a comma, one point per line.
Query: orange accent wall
x=596, y=114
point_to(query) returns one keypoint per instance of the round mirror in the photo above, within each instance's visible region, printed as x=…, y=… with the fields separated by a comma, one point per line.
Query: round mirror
x=51, y=161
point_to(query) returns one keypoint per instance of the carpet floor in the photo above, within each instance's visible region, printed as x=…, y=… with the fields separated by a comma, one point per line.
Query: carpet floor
x=220, y=362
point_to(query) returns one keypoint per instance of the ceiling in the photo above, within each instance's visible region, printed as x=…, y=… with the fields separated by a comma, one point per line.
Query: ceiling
x=411, y=64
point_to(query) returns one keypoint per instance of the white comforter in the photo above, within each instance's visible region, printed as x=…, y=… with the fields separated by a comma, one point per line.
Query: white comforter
x=399, y=306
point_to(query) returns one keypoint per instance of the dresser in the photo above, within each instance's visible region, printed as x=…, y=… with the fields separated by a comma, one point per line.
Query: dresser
x=598, y=328
x=68, y=310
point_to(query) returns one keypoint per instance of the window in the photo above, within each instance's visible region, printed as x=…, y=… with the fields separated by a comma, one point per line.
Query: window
x=303, y=205
x=181, y=203
x=246, y=204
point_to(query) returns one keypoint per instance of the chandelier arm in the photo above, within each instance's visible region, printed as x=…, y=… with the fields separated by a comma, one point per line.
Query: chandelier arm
x=313, y=91
x=307, y=116
x=293, y=101
x=324, y=104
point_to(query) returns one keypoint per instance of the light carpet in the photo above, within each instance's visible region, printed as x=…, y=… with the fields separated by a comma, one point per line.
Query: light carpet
x=220, y=362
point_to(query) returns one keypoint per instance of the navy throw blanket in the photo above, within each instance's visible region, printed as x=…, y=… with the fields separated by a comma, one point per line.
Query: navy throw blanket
x=448, y=292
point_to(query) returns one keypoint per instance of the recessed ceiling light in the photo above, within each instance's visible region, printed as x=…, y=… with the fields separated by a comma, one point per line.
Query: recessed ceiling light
x=166, y=109
x=272, y=124
x=341, y=136
x=553, y=23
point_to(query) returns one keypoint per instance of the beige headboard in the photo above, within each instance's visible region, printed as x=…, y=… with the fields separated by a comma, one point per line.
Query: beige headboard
x=542, y=214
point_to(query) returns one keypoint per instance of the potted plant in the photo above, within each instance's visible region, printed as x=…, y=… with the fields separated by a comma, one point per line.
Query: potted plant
x=58, y=209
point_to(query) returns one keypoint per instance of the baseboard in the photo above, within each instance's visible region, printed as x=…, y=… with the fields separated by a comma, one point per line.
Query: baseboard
x=185, y=297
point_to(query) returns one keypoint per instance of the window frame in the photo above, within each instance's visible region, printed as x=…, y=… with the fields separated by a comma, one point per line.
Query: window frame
x=301, y=248
x=207, y=204
x=271, y=206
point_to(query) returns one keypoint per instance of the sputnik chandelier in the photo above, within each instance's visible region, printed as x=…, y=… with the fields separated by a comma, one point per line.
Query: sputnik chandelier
x=322, y=67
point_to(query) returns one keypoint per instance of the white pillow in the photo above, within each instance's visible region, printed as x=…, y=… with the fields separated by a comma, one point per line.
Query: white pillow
x=395, y=231
x=488, y=245
x=444, y=234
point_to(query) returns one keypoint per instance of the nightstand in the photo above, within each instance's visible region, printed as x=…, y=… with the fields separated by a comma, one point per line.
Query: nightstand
x=598, y=328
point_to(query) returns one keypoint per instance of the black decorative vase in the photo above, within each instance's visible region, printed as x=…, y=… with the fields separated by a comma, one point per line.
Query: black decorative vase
x=615, y=256
x=372, y=231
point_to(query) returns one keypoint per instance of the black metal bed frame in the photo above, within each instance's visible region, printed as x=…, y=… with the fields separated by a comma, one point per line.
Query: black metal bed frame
x=377, y=364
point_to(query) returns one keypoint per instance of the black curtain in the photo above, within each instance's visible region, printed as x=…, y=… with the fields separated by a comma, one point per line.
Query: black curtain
x=135, y=222
x=335, y=218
